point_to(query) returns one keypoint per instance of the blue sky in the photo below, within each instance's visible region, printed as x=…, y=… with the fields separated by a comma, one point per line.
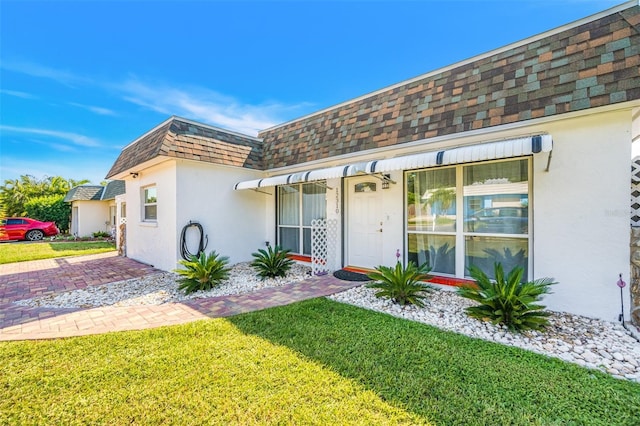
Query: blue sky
x=79, y=80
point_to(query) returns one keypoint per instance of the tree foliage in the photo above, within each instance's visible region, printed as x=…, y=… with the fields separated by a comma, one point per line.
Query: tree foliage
x=49, y=208
x=16, y=193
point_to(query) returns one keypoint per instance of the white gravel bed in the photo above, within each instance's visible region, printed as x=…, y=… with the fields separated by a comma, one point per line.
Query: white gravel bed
x=160, y=288
x=592, y=343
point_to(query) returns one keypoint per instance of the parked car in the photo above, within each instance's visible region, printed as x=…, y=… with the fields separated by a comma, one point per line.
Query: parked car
x=501, y=220
x=23, y=228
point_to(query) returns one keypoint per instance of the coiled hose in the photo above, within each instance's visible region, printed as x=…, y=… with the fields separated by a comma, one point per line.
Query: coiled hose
x=204, y=241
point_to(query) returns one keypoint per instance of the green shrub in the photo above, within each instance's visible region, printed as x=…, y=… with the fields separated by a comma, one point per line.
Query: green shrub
x=49, y=208
x=507, y=300
x=273, y=262
x=401, y=285
x=203, y=272
x=101, y=234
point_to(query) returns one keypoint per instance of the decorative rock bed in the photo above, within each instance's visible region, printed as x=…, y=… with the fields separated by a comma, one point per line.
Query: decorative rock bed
x=160, y=288
x=592, y=343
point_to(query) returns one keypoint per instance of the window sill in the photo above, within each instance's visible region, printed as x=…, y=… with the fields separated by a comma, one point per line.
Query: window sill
x=149, y=224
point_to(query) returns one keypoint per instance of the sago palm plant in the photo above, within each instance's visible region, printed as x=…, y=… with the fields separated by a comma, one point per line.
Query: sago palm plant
x=402, y=285
x=203, y=272
x=271, y=263
x=507, y=300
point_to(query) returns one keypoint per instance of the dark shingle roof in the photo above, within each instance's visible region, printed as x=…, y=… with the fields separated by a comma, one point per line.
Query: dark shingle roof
x=113, y=188
x=84, y=193
x=180, y=138
x=593, y=63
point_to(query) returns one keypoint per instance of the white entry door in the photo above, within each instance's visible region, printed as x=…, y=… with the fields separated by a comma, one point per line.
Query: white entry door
x=365, y=228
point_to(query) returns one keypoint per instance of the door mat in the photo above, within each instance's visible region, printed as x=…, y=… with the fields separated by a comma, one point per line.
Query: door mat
x=345, y=275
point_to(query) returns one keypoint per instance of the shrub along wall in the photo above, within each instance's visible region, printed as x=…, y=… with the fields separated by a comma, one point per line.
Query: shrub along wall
x=50, y=208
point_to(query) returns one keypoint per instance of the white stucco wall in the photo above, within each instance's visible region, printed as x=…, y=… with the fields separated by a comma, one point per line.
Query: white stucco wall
x=92, y=216
x=153, y=242
x=234, y=221
x=581, y=214
x=635, y=133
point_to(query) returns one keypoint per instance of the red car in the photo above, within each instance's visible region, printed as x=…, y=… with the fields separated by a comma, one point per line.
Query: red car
x=23, y=228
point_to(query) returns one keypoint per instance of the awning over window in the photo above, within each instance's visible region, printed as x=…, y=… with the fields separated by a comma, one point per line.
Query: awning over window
x=307, y=176
x=465, y=154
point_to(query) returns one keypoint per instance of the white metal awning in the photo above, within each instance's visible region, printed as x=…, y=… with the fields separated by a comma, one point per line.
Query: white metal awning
x=306, y=176
x=466, y=154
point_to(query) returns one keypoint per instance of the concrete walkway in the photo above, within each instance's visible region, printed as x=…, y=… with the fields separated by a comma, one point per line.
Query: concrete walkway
x=26, y=280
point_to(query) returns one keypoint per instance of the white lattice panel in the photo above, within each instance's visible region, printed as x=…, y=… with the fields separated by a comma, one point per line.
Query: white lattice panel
x=635, y=192
x=635, y=170
x=323, y=246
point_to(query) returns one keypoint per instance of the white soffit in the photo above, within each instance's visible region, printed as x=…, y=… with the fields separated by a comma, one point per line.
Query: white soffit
x=467, y=154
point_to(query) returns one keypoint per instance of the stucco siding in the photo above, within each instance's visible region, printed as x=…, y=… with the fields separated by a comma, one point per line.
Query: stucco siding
x=153, y=242
x=581, y=213
x=237, y=223
x=92, y=217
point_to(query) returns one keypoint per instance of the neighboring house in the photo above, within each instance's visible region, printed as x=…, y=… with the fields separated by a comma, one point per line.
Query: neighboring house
x=93, y=208
x=520, y=155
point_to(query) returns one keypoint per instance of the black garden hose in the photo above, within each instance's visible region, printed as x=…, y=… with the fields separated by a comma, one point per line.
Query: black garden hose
x=204, y=241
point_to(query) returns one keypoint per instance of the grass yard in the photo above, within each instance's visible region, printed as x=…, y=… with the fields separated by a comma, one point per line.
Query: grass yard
x=21, y=252
x=314, y=362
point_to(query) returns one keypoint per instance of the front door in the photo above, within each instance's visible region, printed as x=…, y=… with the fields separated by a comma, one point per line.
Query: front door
x=365, y=228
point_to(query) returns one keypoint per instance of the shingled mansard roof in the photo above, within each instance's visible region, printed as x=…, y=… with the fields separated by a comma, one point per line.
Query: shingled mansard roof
x=591, y=63
x=181, y=138
x=95, y=192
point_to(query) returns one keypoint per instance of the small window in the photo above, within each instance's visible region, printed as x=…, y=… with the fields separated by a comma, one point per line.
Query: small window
x=365, y=187
x=123, y=210
x=150, y=205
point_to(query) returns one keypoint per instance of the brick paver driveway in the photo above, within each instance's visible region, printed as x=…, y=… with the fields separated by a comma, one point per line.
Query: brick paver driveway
x=26, y=280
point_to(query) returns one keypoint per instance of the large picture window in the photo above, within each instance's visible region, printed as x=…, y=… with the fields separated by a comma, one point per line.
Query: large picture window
x=466, y=215
x=298, y=205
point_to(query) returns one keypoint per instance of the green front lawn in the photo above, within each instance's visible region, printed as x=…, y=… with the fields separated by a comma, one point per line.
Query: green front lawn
x=20, y=252
x=314, y=362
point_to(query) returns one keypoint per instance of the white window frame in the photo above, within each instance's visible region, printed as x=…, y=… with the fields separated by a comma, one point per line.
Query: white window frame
x=145, y=204
x=300, y=226
x=460, y=234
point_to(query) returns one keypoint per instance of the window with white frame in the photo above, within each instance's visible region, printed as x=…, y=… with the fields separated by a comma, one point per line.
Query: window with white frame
x=150, y=204
x=472, y=214
x=298, y=205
